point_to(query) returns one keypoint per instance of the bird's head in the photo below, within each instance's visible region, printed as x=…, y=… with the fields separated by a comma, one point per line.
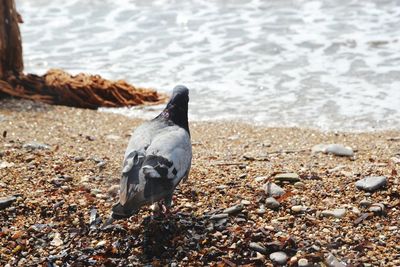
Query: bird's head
x=179, y=99
x=177, y=107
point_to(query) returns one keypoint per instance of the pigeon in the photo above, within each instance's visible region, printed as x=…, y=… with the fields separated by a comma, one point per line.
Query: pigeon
x=158, y=157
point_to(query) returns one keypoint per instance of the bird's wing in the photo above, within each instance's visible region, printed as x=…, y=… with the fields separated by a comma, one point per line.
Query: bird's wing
x=168, y=160
x=132, y=180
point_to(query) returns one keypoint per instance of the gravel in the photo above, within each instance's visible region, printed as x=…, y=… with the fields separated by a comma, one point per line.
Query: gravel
x=62, y=203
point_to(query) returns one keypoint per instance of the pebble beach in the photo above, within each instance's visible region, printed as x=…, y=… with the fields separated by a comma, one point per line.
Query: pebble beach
x=255, y=196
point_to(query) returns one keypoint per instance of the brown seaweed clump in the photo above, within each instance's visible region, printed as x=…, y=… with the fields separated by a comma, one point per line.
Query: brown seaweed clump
x=82, y=90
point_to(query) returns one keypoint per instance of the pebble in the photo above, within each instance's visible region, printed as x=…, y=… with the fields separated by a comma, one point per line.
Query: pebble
x=332, y=261
x=56, y=242
x=302, y=263
x=365, y=203
x=377, y=208
x=113, y=190
x=261, y=210
x=258, y=247
x=272, y=203
x=289, y=177
x=371, y=183
x=273, y=190
x=279, y=257
x=5, y=202
x=299, y=185
x=5, y=164
x=337, y=213
x=113, y=137
x=100, y=244
x=260, y=178
x=93, y=216
x=337, y=168
x=219, y=216
x=339, y=150
x=234, y=209
x=298, y=208
x=395, y=160
x=335, y=149
x=245, y=202
x=35, y=146
x=17, y=235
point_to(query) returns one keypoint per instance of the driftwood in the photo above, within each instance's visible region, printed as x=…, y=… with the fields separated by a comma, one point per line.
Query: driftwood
x=57, y=86
x=10, y=39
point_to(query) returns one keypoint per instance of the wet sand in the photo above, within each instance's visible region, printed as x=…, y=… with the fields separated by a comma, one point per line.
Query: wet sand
x=63, y=164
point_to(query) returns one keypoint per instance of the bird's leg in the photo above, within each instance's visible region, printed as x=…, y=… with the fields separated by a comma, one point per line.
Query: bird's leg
x=166, y=208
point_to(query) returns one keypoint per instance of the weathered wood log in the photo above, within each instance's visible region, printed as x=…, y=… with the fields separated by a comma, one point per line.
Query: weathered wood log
x=10, y=40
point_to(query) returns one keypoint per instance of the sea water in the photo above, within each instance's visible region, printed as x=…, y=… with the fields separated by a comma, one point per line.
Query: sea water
x=332, y=65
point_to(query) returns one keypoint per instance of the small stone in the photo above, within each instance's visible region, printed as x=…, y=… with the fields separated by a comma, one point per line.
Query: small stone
x=302, y=263
x=273, y=190
x=272, y=203
x=93, y=216
x=395, y=160
x=101, y=164
x=279, y=257
x=113, y=137
x=100, y=244
x=85, y=179
x=113, y=190
x=299, y=185
x=298, y=208
x=245, y=202
x=79, y=159
x=260, y=178
x=337, y=168
x=339, y=150
x=5, y=202
x=371, y=183
x=289, y=177
x=17, y=234
x=261, y=210
x=332, y=261
x=234, y=209
x=318, y=148
x=377, y=208
x=337, y=213
x=221, y=187
x=258, y=247
x=5, y=164
x=219, y=216
x=259, y=257
x=365, y=203
x=56, y=242
x=35, y=146
x=101, y=196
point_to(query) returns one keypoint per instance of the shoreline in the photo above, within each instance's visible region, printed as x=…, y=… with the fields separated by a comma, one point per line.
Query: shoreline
x=149, y=112
x=58, y=186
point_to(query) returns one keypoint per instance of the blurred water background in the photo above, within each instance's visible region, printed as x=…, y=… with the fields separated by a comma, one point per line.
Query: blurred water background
x=332, y=65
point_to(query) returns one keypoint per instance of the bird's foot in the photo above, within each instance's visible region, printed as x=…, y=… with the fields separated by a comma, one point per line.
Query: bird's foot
x=161, y=211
